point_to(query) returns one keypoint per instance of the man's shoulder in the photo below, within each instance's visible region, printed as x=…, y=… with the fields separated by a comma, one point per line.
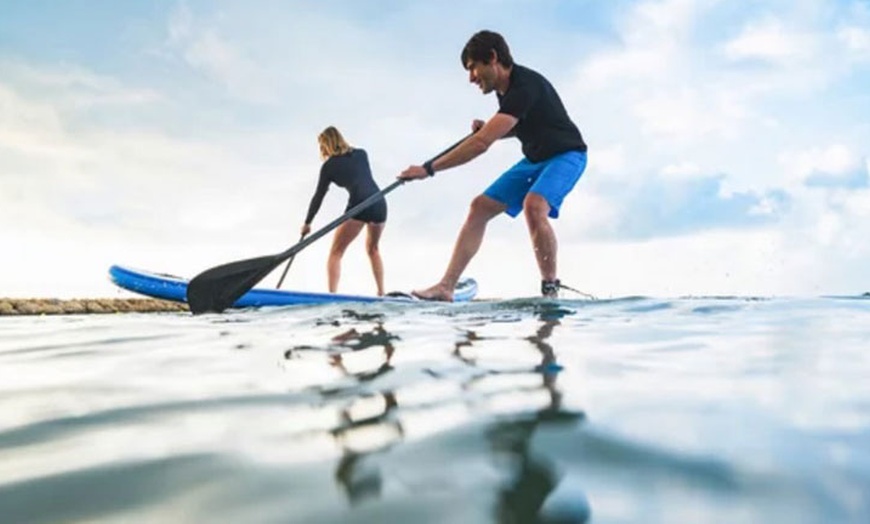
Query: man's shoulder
x=527, y=77
x=524, y=72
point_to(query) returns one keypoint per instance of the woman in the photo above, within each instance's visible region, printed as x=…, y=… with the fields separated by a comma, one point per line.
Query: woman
x=348, y=167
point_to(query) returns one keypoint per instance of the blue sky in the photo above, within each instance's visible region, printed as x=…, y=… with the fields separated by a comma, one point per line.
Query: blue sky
x=728, y=142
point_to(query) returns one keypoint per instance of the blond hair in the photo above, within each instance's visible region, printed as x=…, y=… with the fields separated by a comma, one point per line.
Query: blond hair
x=332, y=143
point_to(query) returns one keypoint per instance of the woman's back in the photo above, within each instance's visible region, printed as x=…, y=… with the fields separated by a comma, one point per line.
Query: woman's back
x=352, y=172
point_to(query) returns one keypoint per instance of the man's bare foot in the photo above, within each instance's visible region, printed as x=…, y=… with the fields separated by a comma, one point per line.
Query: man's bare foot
x=438, y=292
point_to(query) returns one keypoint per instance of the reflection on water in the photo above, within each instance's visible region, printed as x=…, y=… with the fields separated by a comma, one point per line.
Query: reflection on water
x=379, y=429
x=634, y=410
x=526, y=497
x=371, y=424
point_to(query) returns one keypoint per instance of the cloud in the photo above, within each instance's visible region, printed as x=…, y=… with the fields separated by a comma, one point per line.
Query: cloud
x=682, y=170
x=834, y=166
x=853, y=32
x=661, y=208
x=651, y=46
x=74, y=88
x=769, y=41
x=687, y=114
x=203, y=48
x=856, y=40
x=853, y=180
x=59, y=167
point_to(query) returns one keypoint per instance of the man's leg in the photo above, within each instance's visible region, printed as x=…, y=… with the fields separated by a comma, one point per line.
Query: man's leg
x=483, y=209
x=537, y=209
x=557, y=179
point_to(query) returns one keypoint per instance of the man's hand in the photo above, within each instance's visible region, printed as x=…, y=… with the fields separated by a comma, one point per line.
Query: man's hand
x=306, y=228
x=414, y=173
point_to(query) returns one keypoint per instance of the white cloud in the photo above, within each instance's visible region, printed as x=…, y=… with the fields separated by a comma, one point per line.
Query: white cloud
x=771, y=41
x=835, y=159
x=853, y=32
x=681, y=170
x=688, y=115
x=661, y=22
x=857, y=205
x=203, y=47
x=856, y=40
x=74, y=87
x=652, y=36
x=54, y=171
x=223, y=61
x=610, y=160
x=608, y=69
x=23, y=114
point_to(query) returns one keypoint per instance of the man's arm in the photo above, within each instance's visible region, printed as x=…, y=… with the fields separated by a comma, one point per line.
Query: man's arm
x=497, y=127
x=477, y=124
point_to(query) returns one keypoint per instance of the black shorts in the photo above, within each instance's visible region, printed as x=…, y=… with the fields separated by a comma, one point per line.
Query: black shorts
x=373, y=214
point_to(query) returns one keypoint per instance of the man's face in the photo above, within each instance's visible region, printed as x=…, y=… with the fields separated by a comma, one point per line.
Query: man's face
x=483, y=74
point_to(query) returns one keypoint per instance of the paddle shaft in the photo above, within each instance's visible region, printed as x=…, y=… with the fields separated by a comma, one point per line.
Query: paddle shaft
x=287, y=267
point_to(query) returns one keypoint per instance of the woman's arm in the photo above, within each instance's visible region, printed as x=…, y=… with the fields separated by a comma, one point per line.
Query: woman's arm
x=319, y=193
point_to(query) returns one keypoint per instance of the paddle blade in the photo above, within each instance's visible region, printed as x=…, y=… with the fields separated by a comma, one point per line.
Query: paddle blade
x=219, y=287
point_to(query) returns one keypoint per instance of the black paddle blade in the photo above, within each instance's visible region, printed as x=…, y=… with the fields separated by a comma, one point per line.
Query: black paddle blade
x=219, y=287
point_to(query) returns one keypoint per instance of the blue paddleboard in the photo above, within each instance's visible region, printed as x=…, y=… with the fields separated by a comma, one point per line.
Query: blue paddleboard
x=169, y=287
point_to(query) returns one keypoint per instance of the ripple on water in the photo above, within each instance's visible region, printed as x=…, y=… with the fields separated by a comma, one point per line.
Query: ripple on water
x=635, y=409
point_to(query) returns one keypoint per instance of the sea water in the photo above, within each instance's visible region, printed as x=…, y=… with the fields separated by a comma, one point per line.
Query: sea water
x=633, y=410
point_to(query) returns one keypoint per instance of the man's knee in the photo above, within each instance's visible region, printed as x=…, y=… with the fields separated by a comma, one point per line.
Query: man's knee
x=484, y=207
x=536, y=206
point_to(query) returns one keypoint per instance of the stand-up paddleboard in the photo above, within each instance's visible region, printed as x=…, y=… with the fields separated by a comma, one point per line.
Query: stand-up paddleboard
x=169, y=287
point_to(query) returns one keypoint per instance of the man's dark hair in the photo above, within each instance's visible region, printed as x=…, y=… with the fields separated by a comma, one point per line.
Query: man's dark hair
x=481, y=46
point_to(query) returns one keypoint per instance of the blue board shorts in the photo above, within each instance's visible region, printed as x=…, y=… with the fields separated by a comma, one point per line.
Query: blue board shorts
x=552, y=179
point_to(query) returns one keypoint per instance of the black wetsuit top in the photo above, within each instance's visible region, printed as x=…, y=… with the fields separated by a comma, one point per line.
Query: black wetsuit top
x=543, y=126
x=352, y=172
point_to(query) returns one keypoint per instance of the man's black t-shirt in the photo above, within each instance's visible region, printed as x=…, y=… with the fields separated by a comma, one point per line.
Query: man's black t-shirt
x=544, y=128
x=352, y=172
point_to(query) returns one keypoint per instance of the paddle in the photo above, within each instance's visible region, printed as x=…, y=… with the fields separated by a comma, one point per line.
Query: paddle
x=218, y=288
x=287, y=268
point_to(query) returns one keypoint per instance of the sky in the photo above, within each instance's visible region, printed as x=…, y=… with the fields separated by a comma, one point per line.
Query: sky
x=729, y=142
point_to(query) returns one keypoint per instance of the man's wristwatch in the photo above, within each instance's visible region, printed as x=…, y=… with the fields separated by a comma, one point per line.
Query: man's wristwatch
x=428, y=167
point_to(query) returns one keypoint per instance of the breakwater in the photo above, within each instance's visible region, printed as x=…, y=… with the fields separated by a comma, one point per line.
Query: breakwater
x=54, y=306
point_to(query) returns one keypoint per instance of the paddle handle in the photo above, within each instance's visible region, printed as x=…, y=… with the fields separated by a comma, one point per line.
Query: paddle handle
x=355, y=210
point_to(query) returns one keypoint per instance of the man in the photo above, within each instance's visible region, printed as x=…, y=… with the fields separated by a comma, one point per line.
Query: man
x=554, y=151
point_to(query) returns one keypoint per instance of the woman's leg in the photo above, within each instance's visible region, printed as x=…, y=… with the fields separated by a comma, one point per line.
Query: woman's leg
x=344, y=235
x=373, y=238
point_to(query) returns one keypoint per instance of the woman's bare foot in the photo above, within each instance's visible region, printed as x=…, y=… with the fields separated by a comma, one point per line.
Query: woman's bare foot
x=438, y=292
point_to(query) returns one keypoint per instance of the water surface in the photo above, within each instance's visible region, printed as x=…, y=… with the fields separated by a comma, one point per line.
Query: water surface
x=631, y=410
